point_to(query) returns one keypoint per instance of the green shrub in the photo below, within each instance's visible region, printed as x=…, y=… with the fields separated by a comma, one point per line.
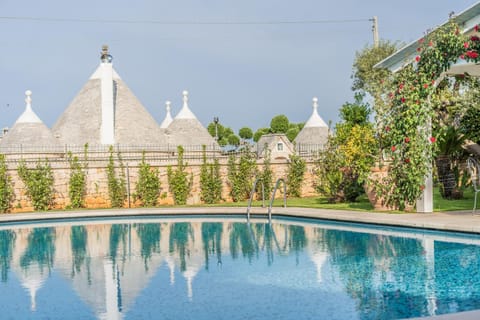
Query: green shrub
x=265, y=176
x=241, y=175
x=6, y=190
x=77, y=182
x=295, y=172
x=148, y=185
x=179, y=183
x=210, y=181
x=38, y=183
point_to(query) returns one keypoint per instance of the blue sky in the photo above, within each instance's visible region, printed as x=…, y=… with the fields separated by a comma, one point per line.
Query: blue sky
x=244, y=74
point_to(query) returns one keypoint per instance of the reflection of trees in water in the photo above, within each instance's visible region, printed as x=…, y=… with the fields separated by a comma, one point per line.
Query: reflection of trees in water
x=78, y=240
x=40, y=249
x=7, y=239
x=149, y=234
x=179, y=234
x=269, y=242
x=212, y=241
x=297, y=239
x=368, y=264
x=242, y=239
x=118, y=235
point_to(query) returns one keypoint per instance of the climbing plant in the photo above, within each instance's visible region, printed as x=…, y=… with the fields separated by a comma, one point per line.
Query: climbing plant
x=148, y=184
x=266, y=175
x=240, y=175
x=295, y=173
x=6, y=189
x=179, y=181
x=117, y=189
x=38, y=183
x=406, y=126
x=78, y=179
x=210, y=180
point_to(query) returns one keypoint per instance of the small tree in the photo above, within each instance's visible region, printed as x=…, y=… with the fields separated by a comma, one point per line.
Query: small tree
x=279, y=124
x=233, y=140
x=39, y=184
x=179, y=183
x=245, y=133
x=295, y=175
x=148, y=184
x=259, y=133
x=6, y=190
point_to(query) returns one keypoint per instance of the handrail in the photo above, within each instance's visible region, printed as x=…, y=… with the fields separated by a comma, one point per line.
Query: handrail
x=251, y=196
x=273, y=197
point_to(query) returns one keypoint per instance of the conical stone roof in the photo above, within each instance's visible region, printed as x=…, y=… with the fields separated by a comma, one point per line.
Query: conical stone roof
x=315, y=131
x=168, y=116
x=82, y=121
x=186, y=130
x=28, y=130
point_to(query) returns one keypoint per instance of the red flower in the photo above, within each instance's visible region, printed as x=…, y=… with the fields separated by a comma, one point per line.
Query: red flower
x=433, y=139
x=462, y=56
x=425, y=85
x=394, y=148
x=476, y=28
x=430, y=44
x=419, y=49
x=400, y=86
x=387, y=128
x=417, y=58
x=403, y=100
x=422, y=187
x=466, y=45
x=422, y=39
x=474, y=38
x=407, y=140
x=472, y=54
x=407, y=160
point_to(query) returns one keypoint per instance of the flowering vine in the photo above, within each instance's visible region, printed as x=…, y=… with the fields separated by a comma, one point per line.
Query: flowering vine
x=406, y=131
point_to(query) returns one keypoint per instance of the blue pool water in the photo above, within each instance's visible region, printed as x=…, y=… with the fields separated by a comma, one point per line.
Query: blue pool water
x=212, y=268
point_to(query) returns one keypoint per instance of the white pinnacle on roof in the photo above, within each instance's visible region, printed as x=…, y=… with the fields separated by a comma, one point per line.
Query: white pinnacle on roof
x=185, y=113
x=315, y=120
x=28, y=116
x=168, y=117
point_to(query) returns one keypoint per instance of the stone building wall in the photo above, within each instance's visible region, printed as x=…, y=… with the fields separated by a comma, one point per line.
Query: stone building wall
x=97, y=183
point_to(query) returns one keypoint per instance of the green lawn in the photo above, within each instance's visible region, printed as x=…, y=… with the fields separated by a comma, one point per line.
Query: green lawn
x=439, y=204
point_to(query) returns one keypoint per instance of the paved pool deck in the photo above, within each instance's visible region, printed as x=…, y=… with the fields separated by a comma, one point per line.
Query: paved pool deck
x=455, y=221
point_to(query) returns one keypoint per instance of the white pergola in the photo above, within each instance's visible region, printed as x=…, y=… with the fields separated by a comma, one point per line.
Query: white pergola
x=466, y=20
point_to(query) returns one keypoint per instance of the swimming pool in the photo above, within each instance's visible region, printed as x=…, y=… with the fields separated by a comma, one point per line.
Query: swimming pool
x=224, y=268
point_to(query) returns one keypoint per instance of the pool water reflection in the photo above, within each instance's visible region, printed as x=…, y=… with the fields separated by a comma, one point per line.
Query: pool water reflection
x=226, y=269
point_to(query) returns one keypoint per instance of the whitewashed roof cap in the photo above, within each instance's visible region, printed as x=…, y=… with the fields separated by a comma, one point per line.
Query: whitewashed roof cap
x=28, y=116
x=168, y=117
x=315, y=120
x=185, y=112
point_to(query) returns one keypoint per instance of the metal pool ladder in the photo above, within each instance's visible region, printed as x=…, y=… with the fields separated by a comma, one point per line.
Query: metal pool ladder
x=273, y=197
x=263, y=197
x=251, y=196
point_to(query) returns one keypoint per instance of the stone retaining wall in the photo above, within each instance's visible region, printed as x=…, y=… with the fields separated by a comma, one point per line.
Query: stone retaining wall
x=97, y=190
